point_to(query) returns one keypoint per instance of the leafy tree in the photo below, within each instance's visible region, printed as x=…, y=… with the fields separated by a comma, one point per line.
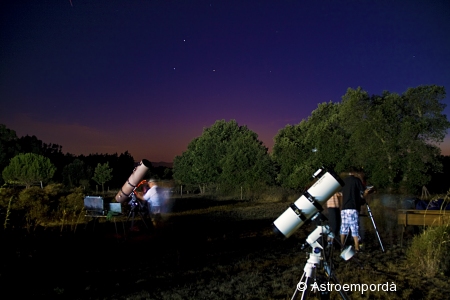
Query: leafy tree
x=394, y=136
x=246, y=162
x=391, y=137
x=300, y=149
x=75, y=173
x=121, y=165
x=28, y=168
x=183, y=173
x=227, y=155
x=167, y=173
x=8, y=146
x=102, y=174
x=31, y=144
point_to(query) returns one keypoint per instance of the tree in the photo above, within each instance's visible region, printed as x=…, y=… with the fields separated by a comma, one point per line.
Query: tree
x=75, y=173
x=300, y=149
x=226, y=155
x=391, y=137
x=8, y=146
x=246, y=162
x=121, y=165
x=394, y=136
x=28, y=168
x=102, y=174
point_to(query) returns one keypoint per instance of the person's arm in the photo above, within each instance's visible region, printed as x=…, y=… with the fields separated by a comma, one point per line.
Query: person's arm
x=366, y=192
x=140, y=195
x=363, y=191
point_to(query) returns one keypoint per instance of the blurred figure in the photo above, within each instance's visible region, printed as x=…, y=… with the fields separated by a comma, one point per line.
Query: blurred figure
x=152, y=194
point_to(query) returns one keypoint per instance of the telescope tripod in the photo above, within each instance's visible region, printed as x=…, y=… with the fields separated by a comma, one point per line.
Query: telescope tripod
x=136, y=208
x=320, y=258
x=374, y=226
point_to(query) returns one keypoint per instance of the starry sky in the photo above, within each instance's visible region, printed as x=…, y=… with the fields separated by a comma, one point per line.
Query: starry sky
x=147, y=76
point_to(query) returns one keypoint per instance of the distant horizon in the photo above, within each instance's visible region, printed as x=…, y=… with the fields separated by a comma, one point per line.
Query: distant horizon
x=445, y=150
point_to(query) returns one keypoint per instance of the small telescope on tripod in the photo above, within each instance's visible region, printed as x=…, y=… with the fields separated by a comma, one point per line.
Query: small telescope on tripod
x=308, y=208
x=128, y=189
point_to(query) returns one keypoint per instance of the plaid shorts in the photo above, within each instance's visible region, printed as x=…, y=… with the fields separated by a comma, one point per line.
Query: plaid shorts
x=350, y=218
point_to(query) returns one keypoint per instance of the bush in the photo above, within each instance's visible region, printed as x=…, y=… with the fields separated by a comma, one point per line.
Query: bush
x=71, y=208
x=5, y=196
x=35, y=207
x=54, y=189
x=428, y=253
x=34, y=201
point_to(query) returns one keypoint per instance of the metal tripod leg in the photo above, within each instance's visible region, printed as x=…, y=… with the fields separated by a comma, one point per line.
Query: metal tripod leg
x=309, y=272
x=305, y=285
x=302, y=287
x=374, y=226
x=329, y=272
x=133, y=214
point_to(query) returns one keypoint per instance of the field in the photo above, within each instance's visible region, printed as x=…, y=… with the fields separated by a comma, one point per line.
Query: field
x=203, y=249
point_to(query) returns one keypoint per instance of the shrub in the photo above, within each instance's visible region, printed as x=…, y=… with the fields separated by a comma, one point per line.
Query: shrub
x=54, y=189
x=428, y=253
x=71, y=208
x=34, y=202
x=5, y=196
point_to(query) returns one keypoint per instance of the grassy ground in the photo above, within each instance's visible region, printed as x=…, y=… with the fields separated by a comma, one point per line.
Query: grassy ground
x=203, y=249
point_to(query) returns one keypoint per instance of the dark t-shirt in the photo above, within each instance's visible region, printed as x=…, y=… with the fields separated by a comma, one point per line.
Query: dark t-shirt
x=351, y=193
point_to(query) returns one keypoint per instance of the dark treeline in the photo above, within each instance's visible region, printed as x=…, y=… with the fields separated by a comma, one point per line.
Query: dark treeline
x=72, y=170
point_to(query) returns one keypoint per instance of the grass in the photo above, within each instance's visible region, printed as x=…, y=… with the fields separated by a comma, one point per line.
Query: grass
x=428, y=252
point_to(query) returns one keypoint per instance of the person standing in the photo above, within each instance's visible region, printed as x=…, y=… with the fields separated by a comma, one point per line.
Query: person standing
x=353, y=193
x=334, y=213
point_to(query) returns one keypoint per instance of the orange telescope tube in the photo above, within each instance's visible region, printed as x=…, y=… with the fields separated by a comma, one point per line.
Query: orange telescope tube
x=133, y=181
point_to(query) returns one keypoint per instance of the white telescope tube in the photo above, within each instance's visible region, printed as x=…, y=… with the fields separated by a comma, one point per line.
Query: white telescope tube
x=309, y=203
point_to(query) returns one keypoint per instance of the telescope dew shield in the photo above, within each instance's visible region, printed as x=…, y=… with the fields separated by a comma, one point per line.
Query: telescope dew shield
x=309, y=203
x=133, y=180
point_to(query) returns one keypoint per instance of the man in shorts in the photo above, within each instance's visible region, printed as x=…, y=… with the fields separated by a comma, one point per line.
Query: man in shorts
x=353, y=193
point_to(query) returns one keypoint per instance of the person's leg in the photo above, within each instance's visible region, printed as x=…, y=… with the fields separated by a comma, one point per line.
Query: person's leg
x=354, y=227
x=343, y=239
x=156, y=212
x=333, y=214
x=344, y=226
x=339, y=220
x=356, y=240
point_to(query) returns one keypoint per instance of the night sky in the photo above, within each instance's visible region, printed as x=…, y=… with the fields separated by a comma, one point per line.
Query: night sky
x=148, y=76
